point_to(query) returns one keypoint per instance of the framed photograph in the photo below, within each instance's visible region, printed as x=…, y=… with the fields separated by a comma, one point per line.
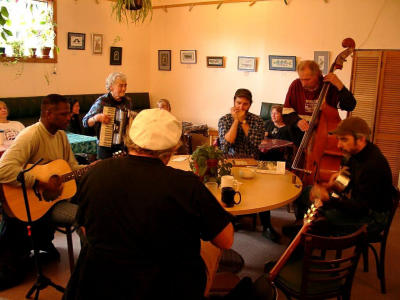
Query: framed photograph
x=164, y=60
x=115, y=55
x=322, y=59
x=215, y=62
x=97, y=43
x=76, y=41
x=247, y=63
x=188, y=57
x=282, y=63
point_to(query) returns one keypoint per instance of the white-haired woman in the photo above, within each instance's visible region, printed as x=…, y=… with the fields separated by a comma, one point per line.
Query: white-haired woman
x=116, y=86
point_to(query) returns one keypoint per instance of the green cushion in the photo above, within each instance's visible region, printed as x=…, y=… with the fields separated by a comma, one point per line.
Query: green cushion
x=27, y=109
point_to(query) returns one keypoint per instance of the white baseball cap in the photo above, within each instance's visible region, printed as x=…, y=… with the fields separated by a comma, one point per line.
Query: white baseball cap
x=155, y=129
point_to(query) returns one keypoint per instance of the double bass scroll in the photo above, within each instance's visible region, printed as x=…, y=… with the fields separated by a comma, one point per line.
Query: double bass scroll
x=318, y=153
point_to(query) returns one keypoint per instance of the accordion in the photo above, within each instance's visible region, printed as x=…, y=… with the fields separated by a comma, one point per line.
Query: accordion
x=113, y=132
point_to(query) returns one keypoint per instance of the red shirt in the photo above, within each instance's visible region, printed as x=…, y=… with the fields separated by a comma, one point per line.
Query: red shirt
x=303, y=101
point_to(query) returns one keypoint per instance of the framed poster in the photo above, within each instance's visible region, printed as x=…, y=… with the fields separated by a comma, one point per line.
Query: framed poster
x=322, y=59
x=115, y=55
x=97, y=43
x=215, y=61
x=76, y=41
x=188, y=57
x=164, y=60
x=246, y=63
x=282, y=63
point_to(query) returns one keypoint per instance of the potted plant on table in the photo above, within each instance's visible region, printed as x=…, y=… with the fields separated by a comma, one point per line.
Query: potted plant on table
x=209, y=164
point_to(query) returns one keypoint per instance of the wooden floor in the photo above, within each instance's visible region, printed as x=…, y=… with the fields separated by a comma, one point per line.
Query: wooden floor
x=365, y=286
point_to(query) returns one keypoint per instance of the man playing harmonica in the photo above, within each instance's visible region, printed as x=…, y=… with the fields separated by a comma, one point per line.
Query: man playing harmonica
x=241, y=132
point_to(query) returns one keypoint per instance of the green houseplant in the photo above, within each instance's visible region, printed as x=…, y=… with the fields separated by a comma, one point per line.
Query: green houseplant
x=209, y=164
x=132, y=10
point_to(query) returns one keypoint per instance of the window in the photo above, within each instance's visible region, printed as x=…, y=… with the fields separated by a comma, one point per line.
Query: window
x=32, y=24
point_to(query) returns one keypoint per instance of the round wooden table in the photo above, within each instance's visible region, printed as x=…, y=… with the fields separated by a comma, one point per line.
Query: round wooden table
x=262, y=193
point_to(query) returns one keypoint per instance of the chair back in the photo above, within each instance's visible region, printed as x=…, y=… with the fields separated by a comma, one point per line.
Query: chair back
x=213, y=138
x=332, y=271
x=395, y=204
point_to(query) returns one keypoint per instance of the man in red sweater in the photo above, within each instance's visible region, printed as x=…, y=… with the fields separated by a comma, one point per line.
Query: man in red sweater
x=303, y=93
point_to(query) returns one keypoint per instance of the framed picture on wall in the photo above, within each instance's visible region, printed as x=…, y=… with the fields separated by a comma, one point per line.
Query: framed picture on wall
x=322, y=59
x=188, y=57
x=97, y=43
x=282, y=63
x=164, y=60
x=247, y=63
x=215, y=62
x=76, y=41
x=115, y=55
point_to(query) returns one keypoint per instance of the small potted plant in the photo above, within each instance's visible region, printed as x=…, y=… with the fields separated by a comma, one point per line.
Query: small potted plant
x=17, y=48
x=209, y=164
x=2, y=51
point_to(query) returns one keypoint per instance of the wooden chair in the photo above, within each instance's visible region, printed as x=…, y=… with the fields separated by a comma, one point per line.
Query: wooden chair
x=330, y=274
x=213, y=137
x=382, y=239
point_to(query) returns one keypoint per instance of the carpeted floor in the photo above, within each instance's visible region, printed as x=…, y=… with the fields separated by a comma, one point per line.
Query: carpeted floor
x=255, y=251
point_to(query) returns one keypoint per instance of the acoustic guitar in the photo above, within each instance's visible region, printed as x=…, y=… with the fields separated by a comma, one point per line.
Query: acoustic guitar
x=13, y=196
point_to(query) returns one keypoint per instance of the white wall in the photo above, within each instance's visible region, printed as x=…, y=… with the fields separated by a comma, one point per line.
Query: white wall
x=200, y=94
x=80, y=71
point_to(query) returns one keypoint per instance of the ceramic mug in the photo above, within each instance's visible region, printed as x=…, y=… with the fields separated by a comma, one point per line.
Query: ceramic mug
x=228, y=196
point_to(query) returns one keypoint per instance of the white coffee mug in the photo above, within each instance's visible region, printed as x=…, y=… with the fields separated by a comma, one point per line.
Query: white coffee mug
x=227, y=181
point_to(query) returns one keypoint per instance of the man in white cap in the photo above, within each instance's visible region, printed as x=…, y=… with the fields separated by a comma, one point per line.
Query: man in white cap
x=144, y=221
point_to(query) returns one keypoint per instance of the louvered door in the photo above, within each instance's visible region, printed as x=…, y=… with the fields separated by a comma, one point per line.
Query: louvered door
x=365, y=84
x=375, y=84
x=387, y=121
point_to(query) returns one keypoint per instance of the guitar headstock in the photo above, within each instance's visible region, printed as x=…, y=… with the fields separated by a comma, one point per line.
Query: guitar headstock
x=119, y=153
x=311, y=213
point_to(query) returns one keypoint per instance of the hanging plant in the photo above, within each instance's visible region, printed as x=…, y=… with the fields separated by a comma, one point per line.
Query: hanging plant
x=132, y=10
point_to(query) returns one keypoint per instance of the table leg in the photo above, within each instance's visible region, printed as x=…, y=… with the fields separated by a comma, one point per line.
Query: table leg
x=269, y=231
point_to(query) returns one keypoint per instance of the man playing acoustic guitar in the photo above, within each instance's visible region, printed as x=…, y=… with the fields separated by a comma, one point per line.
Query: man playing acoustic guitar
x=47, y=140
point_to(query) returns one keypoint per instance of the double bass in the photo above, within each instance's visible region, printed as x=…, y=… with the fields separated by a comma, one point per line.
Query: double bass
x=318, y=151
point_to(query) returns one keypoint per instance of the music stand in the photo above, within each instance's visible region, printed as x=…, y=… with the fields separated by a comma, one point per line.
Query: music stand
x=41, y=281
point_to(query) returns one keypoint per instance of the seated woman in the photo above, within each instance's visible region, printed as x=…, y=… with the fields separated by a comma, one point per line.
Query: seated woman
x=276, y=128
x=10, y=128
x=75, y=125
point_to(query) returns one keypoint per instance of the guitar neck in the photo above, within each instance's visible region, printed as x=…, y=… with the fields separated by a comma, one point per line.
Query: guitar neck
x=77, y=174
x=287, y=254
